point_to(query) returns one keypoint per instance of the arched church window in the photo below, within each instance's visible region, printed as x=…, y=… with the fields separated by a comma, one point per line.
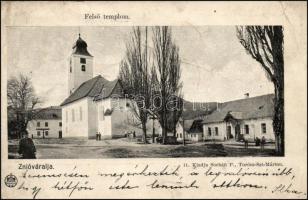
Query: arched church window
x=83, y=68
x=70, y=65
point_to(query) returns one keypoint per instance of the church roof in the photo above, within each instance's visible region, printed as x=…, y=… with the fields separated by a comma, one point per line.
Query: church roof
x=80, y=47
x=250, y=108
x=97, y=87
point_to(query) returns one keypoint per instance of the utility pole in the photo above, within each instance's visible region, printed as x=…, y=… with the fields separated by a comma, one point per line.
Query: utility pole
x=153, y=132
x=183, y=132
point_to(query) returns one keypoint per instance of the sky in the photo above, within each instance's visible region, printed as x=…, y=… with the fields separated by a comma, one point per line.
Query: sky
x=215, y=67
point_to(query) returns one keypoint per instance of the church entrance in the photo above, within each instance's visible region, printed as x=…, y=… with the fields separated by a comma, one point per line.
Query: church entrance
x=237, y=130
x=229, y=135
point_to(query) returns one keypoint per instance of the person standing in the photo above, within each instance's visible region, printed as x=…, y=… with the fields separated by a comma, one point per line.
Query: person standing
x=262, y=143
x=26, y=147
x=99, y=136
x=245, y=141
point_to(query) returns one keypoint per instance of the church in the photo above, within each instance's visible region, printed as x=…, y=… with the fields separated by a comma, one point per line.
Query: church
x=94, y=104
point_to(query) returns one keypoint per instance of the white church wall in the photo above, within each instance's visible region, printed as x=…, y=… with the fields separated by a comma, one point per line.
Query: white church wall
x=74, y=122
x=107, y=128
x=103, y=122
x=122, y=118
x=92, y=118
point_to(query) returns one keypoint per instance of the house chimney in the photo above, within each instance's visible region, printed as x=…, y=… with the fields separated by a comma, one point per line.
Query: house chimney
x=246, y=95
x=217, y=106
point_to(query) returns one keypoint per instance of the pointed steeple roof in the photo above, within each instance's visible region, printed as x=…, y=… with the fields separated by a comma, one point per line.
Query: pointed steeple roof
x=80, y=47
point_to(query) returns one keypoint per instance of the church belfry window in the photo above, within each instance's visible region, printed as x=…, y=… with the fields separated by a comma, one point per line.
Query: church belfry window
x=83, y=68
x=82, y=60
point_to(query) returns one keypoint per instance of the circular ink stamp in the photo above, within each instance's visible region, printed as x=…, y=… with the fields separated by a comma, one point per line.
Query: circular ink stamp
x=10, y=180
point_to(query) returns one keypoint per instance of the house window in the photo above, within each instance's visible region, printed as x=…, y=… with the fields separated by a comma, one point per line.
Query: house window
x=82, y=60
x=38, y=133
x=216, y=130
x=46, y=124
x=263, y=128
x=46, y=133
x=209, y=131
x=38, y=124
x=60, y=134
x=73, y=115
x=180, y=135
x=60, y=124
x=246, y=128
x=80, y=113
x=83, y=68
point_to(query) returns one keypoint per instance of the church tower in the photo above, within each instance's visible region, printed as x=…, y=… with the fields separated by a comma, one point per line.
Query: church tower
x=80, y=65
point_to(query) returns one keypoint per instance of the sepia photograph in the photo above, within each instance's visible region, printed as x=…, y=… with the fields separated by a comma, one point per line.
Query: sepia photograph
x=145, y=91
x=153, y=100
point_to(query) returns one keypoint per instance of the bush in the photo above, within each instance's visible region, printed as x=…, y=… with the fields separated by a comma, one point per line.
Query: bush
x=258, y=141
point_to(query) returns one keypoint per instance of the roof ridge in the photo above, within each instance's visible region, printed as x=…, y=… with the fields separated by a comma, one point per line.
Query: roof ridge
x=244, y=99
x=85, y=83
x=116, y=81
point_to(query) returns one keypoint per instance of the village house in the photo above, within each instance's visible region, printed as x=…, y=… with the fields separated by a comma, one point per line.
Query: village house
x=183, y=128
x=251, y=116
x=47, y=123
x=192, y=129
x=195, y=133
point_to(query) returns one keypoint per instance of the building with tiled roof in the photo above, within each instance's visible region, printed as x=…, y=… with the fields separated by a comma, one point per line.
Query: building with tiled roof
x=46, y=123
x=251, y=116
x=93, y=104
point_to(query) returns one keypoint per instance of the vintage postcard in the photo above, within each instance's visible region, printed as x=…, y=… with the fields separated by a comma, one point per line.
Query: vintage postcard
x=153, y=100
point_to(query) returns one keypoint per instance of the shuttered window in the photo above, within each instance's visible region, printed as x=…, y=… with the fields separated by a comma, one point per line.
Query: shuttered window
x=216, y=130
x=263, y=128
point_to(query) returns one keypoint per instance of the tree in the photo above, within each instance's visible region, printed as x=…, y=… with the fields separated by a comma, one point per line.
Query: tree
x=22, y=101
x=265, y=45
x=175, y=87
x=135, y=76
x=167, y=77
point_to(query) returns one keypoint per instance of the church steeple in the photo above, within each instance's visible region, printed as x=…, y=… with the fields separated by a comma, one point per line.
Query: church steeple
x=81, y=65
x=80, y=47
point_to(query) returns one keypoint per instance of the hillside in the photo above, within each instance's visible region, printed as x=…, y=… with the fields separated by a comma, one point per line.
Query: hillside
x=196, y=109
